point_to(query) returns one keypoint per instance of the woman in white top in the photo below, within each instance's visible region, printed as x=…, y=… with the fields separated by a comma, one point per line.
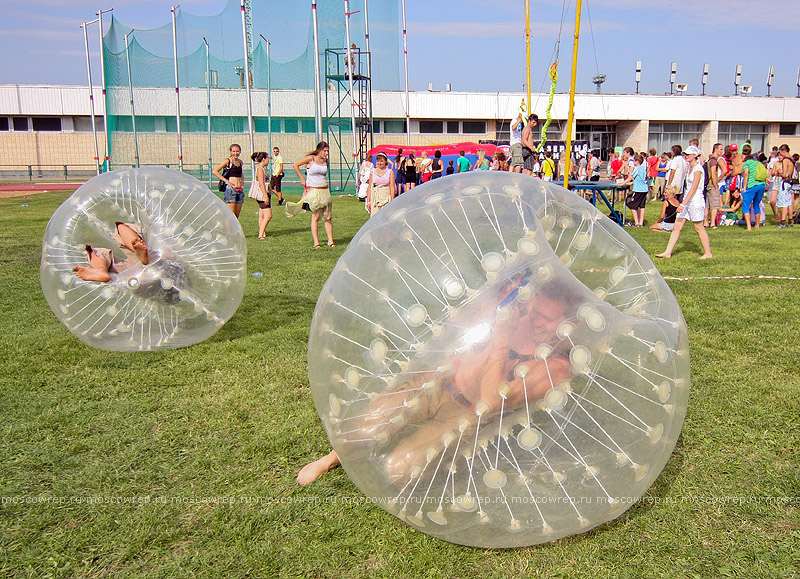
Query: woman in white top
x=316, y=195
x=259, y=192
x=693, y=206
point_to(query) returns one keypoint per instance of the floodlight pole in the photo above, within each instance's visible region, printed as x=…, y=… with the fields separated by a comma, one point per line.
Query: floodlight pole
x=317, y=83
x=672, y=73
x=208, y=107
x=638, y=76
x=405, y=60
x=91, y=95
x=130, y=93
x=770, y=76
x=798, y=83
x=177, y=88
x=107, y=159
x=269, y=94
x=705, y=78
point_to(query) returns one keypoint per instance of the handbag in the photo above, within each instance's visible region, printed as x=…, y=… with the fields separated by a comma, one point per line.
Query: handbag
x=225, y=173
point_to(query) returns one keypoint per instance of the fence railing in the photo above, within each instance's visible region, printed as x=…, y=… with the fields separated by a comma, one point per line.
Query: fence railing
x=80, y=173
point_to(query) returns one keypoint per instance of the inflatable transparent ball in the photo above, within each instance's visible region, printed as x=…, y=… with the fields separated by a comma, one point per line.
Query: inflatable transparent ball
x=497, y=363
x=192, y=285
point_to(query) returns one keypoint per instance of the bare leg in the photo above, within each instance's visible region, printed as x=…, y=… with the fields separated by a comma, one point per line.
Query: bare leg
x=134, y=242
x=747, y=221
x=314, y=227
x=313, y=470
x=264, y=217
x=673, y=238
x=97, y=270
x=703, y=234
x=773, y=202
x=236, y=208
x=329, y=231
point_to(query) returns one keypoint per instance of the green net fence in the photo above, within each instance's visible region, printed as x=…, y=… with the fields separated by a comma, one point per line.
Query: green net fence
x=287, y=25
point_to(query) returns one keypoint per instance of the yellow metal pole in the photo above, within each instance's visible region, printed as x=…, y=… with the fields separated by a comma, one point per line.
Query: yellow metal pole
x=528, y=53
x=571, y=116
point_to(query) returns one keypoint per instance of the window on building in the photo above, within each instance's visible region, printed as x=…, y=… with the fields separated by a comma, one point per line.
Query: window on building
x=473, y=127
x=739, y=133
x=429, y=127
x=291, y=126
x=82, y=124
x=3, y=123
x=190, y=124
x=663, y=136
x=395, y=126
x=788, y=129
x=453, y=127
x=226, y=124
x=52, y=124
x=20, y=124
x=376, y=126
x=308, y=125
x=503, y=131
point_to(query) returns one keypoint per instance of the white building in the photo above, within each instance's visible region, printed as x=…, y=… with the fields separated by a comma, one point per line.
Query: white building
x=50, y=126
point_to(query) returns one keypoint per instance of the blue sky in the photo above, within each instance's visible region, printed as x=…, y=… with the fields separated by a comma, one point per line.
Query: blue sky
x=478, y=45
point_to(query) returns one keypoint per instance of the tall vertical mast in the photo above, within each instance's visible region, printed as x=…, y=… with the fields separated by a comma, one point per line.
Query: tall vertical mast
x=405, y=60
x=317, y=91
x=528, y=54
x=572, y=92
x=247, y=39
x=91, y=95
x=106, y=159
x=177, y=88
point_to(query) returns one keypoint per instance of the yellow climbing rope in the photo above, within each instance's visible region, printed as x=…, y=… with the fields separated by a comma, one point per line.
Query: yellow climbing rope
x=554, y=79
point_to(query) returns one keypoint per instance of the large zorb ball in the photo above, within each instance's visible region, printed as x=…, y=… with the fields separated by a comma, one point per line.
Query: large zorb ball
x=192, y=285
x=497, y=363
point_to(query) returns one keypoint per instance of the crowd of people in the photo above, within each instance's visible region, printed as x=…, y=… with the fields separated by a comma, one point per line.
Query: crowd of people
x=727, y=186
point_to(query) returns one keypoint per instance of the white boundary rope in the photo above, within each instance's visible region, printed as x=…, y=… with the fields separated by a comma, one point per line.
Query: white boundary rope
x=731, y=277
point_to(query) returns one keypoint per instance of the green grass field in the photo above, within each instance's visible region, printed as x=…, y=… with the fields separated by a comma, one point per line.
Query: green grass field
x=183, y=462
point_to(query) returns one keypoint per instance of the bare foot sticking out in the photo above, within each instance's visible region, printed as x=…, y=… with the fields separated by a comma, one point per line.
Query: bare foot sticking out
x=140, y=249
x=313, y=470
x=91, y=274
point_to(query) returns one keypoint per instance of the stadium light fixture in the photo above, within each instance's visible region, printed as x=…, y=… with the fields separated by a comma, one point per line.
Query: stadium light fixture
x=672, y=75
x=705, y=78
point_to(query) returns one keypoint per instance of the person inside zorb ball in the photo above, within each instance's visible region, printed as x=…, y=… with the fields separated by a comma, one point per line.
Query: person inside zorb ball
x=143, y=259
x=497, y=363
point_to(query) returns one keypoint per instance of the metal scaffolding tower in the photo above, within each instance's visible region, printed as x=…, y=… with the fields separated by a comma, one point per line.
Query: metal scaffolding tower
x=338, y=118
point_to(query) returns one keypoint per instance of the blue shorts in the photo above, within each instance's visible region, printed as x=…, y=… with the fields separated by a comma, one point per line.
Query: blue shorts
x=234, y=195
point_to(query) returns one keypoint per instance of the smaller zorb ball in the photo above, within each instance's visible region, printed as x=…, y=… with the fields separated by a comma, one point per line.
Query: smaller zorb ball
x=497, y=363
x=193, y=283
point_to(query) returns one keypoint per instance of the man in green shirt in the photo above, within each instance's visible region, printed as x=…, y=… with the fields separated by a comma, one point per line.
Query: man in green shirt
x=462, y=165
